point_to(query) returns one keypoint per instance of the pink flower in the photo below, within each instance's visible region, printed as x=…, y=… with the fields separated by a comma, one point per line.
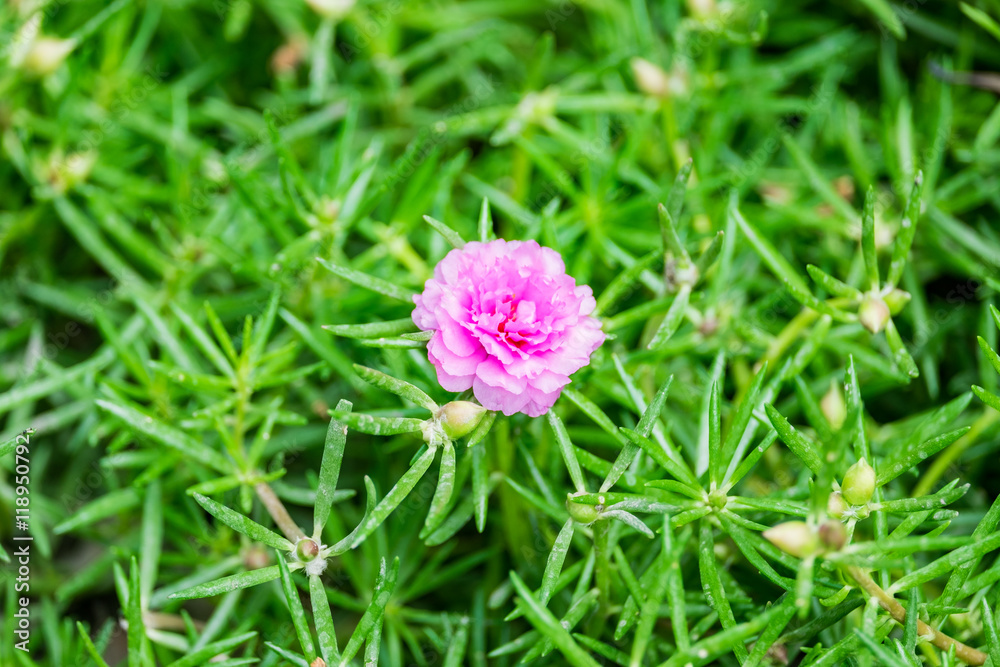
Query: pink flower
x=508, y=323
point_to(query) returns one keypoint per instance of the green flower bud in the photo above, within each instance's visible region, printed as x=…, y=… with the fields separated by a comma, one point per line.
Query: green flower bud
x=678, y=275
x=306, y=549
x=702, y=9
x=47, y=54
x=835, y=505
x=859, y=483
x=896, y=299
x=64, y=174
x=833, y=406
x=650, y=78
x=793, y=537
x=582, y=513
x=717, y=499
x=332, y=9
x=328, y=209
x=309, y=552
x=873, y=313
x=459, y=418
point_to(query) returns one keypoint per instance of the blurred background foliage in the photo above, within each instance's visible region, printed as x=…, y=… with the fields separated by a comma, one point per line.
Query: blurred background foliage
x=160, y=156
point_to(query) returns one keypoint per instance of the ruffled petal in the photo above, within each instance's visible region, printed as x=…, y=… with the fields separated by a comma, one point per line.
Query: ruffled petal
x=509, y=323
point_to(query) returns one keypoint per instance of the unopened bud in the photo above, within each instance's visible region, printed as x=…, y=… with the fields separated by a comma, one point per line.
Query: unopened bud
x=309, y=552
x=582, y=513
x=873, y=313
x=859, y=483
x=718, y=499
x=793, y=537
x=701, y=9
x=333, y=9
x=835, y=505
x=678, y=274
x=306, y=549
x=328, y=209
x=833, y=407
x=318, y=662
x=896, y=300
x=537, y=106
x=459, y=418
x=650, y=78
x=47, y=54
x=64, y=174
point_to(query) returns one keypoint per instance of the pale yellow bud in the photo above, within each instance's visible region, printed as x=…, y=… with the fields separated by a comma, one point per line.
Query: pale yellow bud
x=65, y=174
x=458, y=418
x=896, y=300
x=332, y=9
x=859, y=483
x=701, y=9
x=47, y=54
x=650, y=78
x=833, y=407
x=793, y=537
x=873, y=313
x=328, y=209
x=835, y=505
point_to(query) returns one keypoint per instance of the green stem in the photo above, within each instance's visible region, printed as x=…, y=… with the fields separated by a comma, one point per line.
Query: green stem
x=602, y=563
x=239, y=424
x=964, y=653
x=951, y=454
x=276, y=508
x=795, y=327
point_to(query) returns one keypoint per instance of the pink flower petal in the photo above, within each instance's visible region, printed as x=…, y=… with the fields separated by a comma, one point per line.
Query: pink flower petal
x=509, y=323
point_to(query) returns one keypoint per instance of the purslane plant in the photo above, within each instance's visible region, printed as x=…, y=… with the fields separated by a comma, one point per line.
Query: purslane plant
x=818, y=556
x=703, y=494
x=820, y=538
x=151, y=166
x=825, y=536
x=566, y=343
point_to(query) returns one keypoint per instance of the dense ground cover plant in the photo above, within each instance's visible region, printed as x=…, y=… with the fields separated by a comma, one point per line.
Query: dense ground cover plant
x=780, y=446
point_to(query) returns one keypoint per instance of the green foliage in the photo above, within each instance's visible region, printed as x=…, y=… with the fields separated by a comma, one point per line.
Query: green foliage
x=215, y=217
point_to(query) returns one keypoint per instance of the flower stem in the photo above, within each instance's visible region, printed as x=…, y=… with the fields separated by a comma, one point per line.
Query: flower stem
x=277, y=510
x=602, y=562
x=954, y=450
x=964, y=653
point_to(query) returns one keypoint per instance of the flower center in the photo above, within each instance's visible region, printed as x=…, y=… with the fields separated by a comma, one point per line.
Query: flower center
x=510, y=301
